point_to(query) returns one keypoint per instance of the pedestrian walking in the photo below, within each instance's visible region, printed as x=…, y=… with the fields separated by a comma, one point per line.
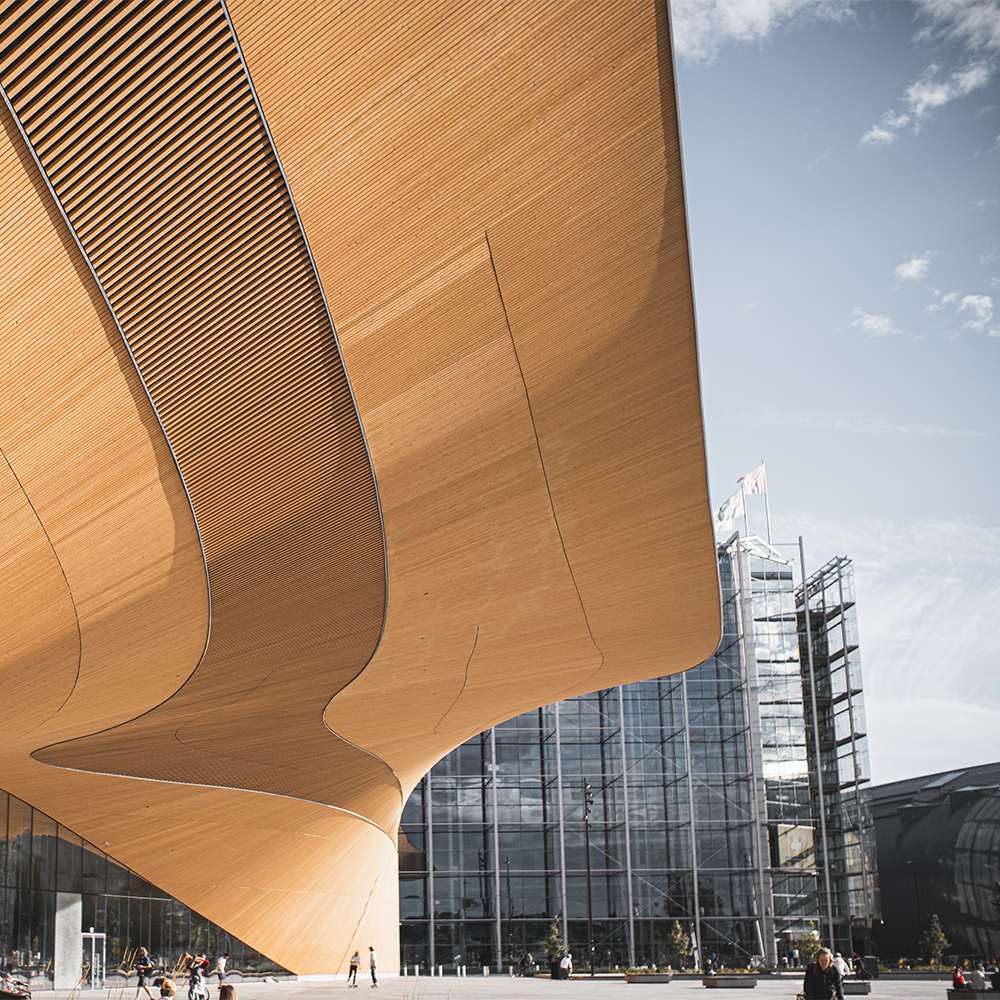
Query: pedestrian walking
x=220, y=967
x=197, y=967
x=373, y=962
x=352, y=975
x=822, y=980
x=144, y=966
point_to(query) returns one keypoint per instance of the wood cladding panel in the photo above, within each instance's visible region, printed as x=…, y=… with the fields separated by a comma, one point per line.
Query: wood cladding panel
x=553, y=130
x=211, y=282
x=492, y=197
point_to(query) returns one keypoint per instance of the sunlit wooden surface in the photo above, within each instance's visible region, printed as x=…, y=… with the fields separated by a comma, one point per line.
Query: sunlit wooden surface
x=493, y=200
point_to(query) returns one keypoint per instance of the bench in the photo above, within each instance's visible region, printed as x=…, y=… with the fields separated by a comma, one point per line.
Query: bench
x=648, y=977
x=730, y=982
x=857, y=987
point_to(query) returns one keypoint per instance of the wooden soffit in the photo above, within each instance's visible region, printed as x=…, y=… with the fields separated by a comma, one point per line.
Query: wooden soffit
x=351, y=406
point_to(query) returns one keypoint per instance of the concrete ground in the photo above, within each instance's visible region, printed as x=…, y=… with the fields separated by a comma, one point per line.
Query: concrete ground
x=498, y=987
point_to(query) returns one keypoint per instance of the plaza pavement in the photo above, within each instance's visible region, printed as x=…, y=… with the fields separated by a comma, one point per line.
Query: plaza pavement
x=500, y=987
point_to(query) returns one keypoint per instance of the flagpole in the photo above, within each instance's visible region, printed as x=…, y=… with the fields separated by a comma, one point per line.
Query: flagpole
x=767, y=506
x=746, y=519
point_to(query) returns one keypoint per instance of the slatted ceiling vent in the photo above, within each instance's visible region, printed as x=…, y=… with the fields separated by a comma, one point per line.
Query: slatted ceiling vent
x=144, y=121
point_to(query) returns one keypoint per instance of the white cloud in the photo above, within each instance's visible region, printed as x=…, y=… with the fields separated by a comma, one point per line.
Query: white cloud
x=878, y=136
x=950, y=297
x=885, y=132
x=873, y=325
x=915, y=268
x=929, y=92
x=972, y=24
x=982, y=204
x=702, y=27
x=981, y=307
x=925, y=95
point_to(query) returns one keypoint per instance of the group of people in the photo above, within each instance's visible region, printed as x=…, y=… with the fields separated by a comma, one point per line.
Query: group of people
x=976, y=980
x=352, y=974
x=194, y=967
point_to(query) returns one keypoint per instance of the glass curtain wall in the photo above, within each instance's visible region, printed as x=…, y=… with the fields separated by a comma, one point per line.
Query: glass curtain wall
x=766, y=578
x=39, y=857
x=706, y=805
x=843, y=749
x=493, y=845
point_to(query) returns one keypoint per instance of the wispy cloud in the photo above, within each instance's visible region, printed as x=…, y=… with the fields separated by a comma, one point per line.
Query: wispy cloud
x=974, y=27
x=915, y=268
x=981, y=307
x=930, y=92
x=702, y=27
x=850, y=423
x=982, y=204
x=972, y=24
x=874, y=325
x=927, y=594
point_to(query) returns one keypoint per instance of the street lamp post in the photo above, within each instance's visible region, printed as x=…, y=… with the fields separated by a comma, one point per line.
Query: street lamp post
x=588, y=804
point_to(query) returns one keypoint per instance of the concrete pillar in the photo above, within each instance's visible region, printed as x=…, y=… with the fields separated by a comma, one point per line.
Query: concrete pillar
x=69, y=940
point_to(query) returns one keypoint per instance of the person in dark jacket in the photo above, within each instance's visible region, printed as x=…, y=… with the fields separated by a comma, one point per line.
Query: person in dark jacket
x=823, y=981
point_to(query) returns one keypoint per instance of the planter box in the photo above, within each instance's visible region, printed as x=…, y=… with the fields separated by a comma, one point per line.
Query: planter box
x=730, y=982
x=857, y=987
x=648, y=977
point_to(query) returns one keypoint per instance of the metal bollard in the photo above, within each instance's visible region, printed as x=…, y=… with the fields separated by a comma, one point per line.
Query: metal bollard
x=440, y=970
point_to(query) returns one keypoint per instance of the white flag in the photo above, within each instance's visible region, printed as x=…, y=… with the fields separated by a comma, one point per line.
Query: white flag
x=754, y=482
x=727, y=513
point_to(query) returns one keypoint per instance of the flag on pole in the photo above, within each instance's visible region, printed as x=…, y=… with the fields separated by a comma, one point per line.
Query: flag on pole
x=754, y=482
x=726, y=515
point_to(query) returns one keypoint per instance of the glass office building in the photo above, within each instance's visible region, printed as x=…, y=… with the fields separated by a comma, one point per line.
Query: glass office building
x=841, y=783
x=705, y=808
x=42, y=863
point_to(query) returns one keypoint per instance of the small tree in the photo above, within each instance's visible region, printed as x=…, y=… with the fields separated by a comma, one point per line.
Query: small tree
x=678, y=945
x=553, y=945
x=934, y=940
x=810, y=944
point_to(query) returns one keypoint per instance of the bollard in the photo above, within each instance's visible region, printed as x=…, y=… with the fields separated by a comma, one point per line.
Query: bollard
x=486, y=971
x=440, y=970
x=510, y=969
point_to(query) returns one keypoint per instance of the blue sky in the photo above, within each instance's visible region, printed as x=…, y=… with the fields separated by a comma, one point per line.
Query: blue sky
x=842, y=163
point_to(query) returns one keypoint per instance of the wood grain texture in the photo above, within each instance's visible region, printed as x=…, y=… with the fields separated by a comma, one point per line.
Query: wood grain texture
x=492, y=197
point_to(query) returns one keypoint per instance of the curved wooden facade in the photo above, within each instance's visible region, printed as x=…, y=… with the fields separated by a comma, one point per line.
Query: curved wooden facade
x=350, y=405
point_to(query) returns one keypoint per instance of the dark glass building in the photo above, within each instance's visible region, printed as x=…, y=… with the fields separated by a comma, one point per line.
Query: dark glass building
x=939, y=853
